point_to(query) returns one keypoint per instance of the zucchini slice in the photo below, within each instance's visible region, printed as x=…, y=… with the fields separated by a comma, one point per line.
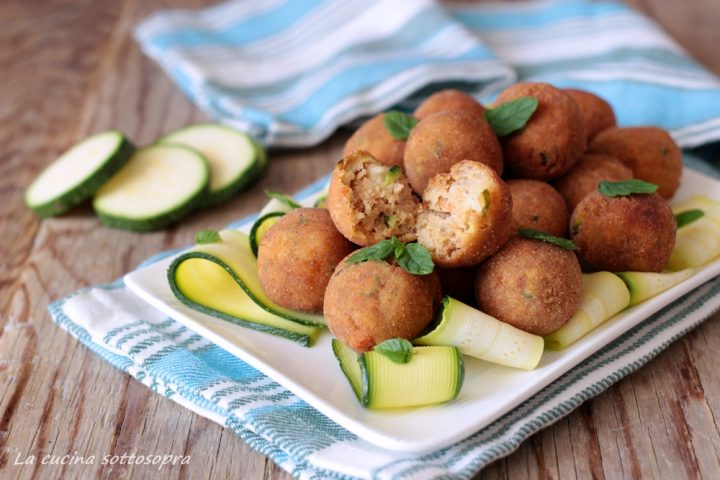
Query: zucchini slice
x=270, y=214
x=482, y=336
x=644, y=285
x=433, y=375
x=233, y=258
x=158, y=186
x=78, y=173
x=603, y=295
x=695, y=244
x=235, y=160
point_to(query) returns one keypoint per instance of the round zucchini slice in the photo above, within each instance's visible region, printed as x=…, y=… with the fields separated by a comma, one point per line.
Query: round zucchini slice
x=158, y=186
x=78, y=173
x=235, y=159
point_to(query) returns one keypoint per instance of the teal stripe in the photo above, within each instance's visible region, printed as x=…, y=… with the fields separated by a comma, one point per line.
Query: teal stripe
x=654, y=56
x=239, y=33
x=536, y=15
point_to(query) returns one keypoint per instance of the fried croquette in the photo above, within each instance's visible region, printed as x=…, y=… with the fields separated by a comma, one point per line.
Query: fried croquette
x=650, y=152
x=373, y=137
x=583, y=178
x=627, y=233
x=466, y=215
x=551, y=141
x=369, y=201
x=370, y=302
x=539, y=206
x=442, y=139
x=449, y=99
x=533, y=285
x=297, y=257
x=597, y=114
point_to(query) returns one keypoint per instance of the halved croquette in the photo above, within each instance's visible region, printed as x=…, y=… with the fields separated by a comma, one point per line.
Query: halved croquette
x=466, y=215
x=370, y=201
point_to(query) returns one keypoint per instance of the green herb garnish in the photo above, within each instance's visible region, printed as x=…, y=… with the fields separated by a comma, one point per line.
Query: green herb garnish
x=206, y=236
x=687, y=217
x=547, y=238
x=511, y=116
x=397, y=350
x=399, y=124
x=379, y=251
x=626, y=187
x=283, y=198
x=392, y=174
x=413, y=257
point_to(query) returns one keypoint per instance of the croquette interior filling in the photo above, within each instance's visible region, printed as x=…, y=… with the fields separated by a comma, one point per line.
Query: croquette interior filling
x=387, y=210
x=451, y=214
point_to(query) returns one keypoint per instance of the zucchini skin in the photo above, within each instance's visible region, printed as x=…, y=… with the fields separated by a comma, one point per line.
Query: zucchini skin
x=157, y=222
x=245, y=180
x=161, y=220
x=242, y=285
x=87, y=188
x=254, y=243
x=242, y=181
x=304, y=340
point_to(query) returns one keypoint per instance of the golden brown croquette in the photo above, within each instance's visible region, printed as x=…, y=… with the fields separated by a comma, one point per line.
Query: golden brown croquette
x=297, y=257
x=584, y=177
x=373, y=137
x=552, y=140
x=597, y=113
x=370, y=302
x=442, y=139
x=449, y=99
x=650, y=152
x=369, y=203
x=630, y=233
x=539, y=206
x=533, y=285
x=466, y=215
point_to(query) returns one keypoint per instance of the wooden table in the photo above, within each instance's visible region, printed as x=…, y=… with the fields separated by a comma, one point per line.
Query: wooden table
x=70, y=67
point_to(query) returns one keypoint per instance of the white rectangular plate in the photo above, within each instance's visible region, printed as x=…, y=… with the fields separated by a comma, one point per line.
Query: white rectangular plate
x=489, y=390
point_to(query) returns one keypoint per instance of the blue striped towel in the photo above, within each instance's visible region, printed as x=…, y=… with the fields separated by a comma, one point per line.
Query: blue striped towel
x=291, y=72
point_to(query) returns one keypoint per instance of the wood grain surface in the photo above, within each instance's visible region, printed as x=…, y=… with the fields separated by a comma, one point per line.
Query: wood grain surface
x=69, y=68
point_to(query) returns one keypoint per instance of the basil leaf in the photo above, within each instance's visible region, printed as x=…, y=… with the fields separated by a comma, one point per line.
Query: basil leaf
x=511, y=116
x=398, y=350
x=547, y=238
x=379, y=251
x=687, y=217
x=399, y=124
x=626, y=187
x=392, y=174
x=415, y=259
x=283, y=198
x=206, y=236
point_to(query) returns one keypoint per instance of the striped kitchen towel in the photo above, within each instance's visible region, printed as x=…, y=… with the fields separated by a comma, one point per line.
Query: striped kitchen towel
x=291, y=72
x=188, y=369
